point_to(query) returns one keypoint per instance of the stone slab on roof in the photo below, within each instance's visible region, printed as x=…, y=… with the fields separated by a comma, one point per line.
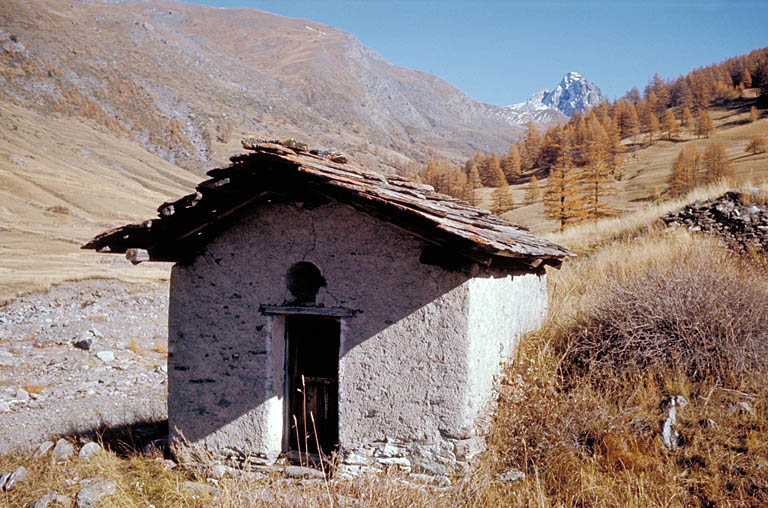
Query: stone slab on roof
x=288, y=172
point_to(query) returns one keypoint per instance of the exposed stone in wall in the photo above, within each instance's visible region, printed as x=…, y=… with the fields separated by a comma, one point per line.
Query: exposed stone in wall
x=445, y=457
x=738, y=217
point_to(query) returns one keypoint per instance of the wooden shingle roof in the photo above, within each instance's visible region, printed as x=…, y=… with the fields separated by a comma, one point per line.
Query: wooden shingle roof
x=286, y=172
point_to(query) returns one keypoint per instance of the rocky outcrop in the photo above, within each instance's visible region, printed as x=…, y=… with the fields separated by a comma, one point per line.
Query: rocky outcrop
x=738, y=217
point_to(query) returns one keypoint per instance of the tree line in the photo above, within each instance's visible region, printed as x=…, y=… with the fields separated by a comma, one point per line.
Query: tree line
x=582, y=159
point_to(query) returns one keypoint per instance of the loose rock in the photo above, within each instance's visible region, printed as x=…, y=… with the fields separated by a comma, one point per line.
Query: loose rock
x=731, y=217
x=106, y=356
x=90, y=495
x=218, y=471
x=303, y=472
x=9, y=480
x=89, y=450
x=4, y=477
x=63, y=449
x=199, y=489
x=511, y=476
x=42, y=449
x=84, y=343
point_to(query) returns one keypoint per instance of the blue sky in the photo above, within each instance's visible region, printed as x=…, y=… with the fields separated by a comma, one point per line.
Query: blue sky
x=501, y=52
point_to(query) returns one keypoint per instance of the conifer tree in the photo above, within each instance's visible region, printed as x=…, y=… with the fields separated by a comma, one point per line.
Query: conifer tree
x=429, y=173
x=511, y=165
x=746, y=78
x=669, y=124
x=579, y=137
x=532, y=192
x=531, y=146
x=597, y=181
x=753, y=115
x=633, y=95
x=501, y=200
x=688, y=120
x=757, y=144
x=548, y=151
x=633, y=122
x=716, y=164
x=685, y=171
x=651, y=123
x=458, y=184
x=561, y=202
x=495, y=176
x=473, y=181
x=704, y=124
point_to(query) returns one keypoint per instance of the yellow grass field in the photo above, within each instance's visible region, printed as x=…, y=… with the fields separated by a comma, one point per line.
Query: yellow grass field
x=63, y=181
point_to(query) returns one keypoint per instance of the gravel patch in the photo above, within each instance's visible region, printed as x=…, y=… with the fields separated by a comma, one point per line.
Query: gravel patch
x=51, y=384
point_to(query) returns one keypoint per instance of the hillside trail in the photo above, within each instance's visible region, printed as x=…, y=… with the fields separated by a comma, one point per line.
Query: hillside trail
x=81, y=356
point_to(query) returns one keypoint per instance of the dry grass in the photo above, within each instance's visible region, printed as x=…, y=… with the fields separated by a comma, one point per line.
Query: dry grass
x=587, y=430
x=586, y=237
x=49, y=164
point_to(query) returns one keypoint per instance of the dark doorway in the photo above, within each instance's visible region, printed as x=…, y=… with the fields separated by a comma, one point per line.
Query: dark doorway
x=312, y=381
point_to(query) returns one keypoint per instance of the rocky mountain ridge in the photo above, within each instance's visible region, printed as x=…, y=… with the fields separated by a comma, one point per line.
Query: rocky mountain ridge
x=573, y=93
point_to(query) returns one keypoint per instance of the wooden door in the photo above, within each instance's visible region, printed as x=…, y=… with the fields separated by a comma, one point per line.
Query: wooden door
x=312, y=380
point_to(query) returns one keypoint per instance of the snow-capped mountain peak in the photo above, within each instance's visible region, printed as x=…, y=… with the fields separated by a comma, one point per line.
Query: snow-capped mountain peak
x=573, y=93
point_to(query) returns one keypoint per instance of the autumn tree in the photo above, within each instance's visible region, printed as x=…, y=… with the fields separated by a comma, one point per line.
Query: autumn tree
x=686, y=171
x=650, y=122
x=669, y=124
x=473, y=183
x=746, y=78
x=757, y=144
x=688, y=120
x=511, y=165
x=753, y=114
x=501, y=200
x=716, y=164
x=531, y=146
x=561, y=200
x=494, y=176
x=596, y=184
x=704, y=124
x=532, y=192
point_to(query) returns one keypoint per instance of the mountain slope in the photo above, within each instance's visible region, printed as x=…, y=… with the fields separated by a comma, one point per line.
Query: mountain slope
x=176, y=76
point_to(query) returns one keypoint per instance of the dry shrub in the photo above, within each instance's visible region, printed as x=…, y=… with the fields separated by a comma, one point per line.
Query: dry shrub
x=582, y=406
x=706, y=314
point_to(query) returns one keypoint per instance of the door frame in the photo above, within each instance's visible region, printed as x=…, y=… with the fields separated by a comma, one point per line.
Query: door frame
x=288, y=430
x=279, y=352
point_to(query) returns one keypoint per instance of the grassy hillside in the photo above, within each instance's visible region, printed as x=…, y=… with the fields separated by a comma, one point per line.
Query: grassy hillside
x=648, y=167
x=63, y=181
